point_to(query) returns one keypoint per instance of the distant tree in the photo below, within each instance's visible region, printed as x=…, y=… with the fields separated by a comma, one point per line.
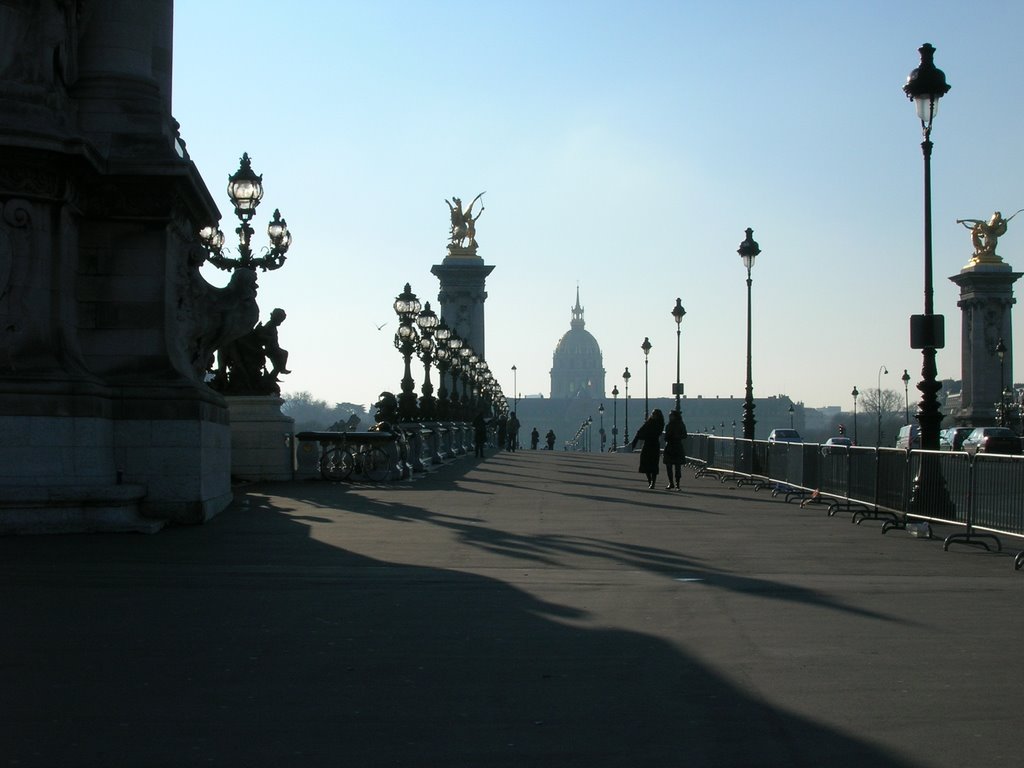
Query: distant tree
x=315, y=415
x=880, y=409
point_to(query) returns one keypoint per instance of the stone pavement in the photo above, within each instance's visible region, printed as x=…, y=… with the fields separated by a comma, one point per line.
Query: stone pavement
x=531, y=609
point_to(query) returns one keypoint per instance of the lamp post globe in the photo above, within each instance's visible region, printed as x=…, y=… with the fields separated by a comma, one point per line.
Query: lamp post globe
x=906, y=396
x=925, y=85
x=677, y=315
x=407, y=307
x=427, y=321
x=748, y=251
x=626, y=376
x=615, y=418
x=646, y=347
x=855, y=394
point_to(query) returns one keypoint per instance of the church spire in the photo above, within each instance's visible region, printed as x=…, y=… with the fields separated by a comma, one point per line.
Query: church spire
x=577, y=312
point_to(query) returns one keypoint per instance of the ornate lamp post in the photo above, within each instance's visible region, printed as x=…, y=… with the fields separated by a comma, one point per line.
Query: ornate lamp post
x=245, y=189
x=677, y=314
x=442, y=356
x=626, y=376
x=646, y=347
x=427, y=321
x=600, y=431
x=925, y=86
x=615, y=418
x=791, y=416
x=906, y=396
x=855, y=393
x=878, y=393
x=455, y=363
x=1001, y=354
x=748, y=251
x=407, y=307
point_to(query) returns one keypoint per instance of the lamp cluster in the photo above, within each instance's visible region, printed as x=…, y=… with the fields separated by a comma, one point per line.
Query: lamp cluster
x=245, y=188
x=422, y=332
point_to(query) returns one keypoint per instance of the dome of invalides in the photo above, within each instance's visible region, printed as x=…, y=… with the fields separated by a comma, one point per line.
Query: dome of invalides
x=577, y=369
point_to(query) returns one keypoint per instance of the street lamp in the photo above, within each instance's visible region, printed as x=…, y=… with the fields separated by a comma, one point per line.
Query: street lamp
x=748, y=251
x=245, y=189
x=791, y=416
x=615, y=418
x=878, y=393
x=515, y=389
x=1001, y=353
x=925, y=86
x=855, y=393
x=626, y=377
x=906, y=396
x=600, y=431
x=677, y=313
x=407, y=307
x=427, y=321
x=646, y=347
x=455, y=347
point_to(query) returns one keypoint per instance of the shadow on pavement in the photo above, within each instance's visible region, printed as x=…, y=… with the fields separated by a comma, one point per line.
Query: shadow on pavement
x=246, y=643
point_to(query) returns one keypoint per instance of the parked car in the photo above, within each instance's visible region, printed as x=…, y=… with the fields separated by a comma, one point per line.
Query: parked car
x=909, y=437
x=784, y=436
x=992, y=440
x=836, y=445
x=952, y=439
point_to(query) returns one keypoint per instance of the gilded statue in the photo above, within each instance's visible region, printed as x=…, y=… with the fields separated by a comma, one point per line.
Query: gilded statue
x=463, y=228
x=985, y=235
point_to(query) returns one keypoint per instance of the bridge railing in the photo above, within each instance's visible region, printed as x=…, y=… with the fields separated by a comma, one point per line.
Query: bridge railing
x=982, y=495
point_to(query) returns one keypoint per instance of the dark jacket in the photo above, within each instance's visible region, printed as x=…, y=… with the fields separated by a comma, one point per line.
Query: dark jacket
x=675, y=451
x=649, y=432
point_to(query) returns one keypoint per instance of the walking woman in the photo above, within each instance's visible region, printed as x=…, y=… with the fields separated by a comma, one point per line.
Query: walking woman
x=675, y=452
x=650, y=454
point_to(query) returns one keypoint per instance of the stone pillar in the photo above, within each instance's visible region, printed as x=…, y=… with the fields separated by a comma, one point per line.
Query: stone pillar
x=986, y=302
x=462, y=275
x=105, y=322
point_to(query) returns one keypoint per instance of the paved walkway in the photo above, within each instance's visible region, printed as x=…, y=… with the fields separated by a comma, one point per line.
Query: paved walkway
x=532, y=609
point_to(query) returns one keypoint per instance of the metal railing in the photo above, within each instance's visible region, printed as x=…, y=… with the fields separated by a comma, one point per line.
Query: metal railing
x=981, y=494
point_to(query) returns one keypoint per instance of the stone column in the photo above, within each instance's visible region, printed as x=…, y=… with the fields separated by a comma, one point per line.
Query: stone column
x=462, y=275
x=986, y=302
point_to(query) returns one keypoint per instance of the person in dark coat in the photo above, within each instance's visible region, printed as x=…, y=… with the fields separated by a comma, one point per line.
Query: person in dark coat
x=650, y=433
x=534, y=439
x=549, y=438
x=675, y=452
x=479, y=434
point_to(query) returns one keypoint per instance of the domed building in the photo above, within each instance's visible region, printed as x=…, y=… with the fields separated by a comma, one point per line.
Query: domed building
x=577, y=369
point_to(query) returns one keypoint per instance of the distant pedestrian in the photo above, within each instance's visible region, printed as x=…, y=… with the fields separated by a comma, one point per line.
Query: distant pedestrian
x=650, y=433
x=534, y=439
x=550, y=439
x=479, y=434
x=513, y=432
x=675, y=451
x=502, y=431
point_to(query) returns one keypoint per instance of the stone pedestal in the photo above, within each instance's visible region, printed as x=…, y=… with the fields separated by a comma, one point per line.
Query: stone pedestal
x=262, y=439
x=462, y=275
x=986, y=302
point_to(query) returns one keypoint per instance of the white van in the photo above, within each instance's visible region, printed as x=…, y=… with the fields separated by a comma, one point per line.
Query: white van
x=909, y=437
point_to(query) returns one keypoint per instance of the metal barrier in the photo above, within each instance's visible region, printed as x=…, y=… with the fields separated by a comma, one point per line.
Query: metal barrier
x=983, y=495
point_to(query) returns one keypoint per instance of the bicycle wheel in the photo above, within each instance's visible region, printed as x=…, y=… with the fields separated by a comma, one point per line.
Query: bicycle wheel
x=336, y=464
x=376, y=465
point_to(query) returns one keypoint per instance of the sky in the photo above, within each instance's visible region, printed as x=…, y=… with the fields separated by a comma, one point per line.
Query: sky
x=624, y=148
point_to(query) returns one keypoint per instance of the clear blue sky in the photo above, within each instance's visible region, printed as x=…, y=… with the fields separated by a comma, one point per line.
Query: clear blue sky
x=624, y=148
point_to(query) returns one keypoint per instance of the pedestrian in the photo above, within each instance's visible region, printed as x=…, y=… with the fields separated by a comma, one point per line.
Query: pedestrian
x=534, y=439
x=513, y=432
x=479, y=434
x=675, y=451
x=502, y=432
x=650, y=433
x=550, y=438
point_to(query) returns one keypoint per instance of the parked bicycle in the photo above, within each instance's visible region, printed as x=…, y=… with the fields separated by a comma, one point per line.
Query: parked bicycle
x=367, y=462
